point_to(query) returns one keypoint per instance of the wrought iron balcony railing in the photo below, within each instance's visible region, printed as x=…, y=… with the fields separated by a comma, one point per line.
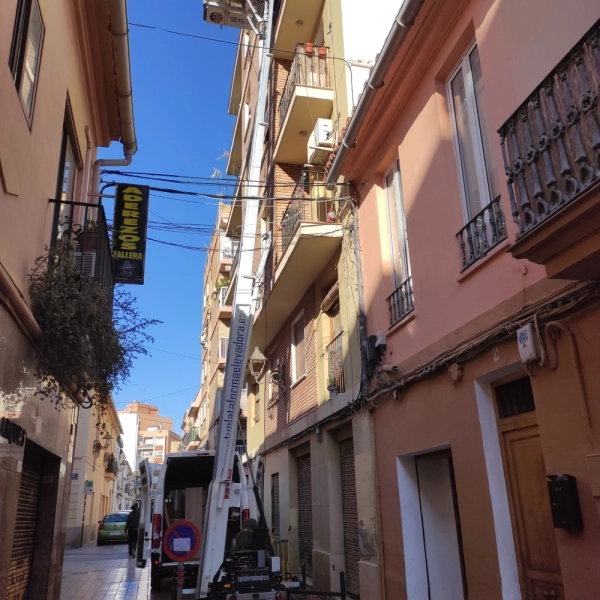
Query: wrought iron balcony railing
x=84, y=227
x=401, y=302
x=551, y=143
x=482, y=233
x=335, y=362
x=308, y=69
x=304, y=207
x=111, y=465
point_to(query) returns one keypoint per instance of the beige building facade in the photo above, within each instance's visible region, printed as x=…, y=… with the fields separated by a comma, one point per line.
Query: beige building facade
x=319, y=479
x=97, y=461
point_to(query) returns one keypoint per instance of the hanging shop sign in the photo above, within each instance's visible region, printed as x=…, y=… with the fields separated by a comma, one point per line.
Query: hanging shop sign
x=12, y=432
x=129, y=232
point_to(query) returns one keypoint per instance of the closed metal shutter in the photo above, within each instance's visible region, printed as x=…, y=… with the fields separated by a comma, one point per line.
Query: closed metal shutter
x=22, y=550
x=305, y=513
x=350, y=516
x=275, y=504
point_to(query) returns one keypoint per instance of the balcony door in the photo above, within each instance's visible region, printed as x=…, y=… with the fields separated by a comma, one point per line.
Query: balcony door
x=525, y=473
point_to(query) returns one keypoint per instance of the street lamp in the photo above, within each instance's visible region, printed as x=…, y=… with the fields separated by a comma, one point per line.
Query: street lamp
x=107, y=438
x=257, y=363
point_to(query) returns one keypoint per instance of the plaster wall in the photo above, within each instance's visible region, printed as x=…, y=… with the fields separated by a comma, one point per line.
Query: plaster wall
x=413, y=123
x=436, y=414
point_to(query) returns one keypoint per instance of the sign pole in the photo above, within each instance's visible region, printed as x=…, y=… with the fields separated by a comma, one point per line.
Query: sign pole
x=180, y=571
x=83, y=520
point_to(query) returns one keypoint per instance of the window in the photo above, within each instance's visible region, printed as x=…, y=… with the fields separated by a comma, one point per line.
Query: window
x=24, y=60
x=273, y=387
x=298, y=348
x=219, y=396
x=477, y=174
x=158, y=454
x=149, y=441
x=154, y=428
x=223, y=343
x=397, y=226
x=65, y=186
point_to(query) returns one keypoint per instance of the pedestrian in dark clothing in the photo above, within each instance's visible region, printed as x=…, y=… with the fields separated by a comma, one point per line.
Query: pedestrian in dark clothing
x=131, y=528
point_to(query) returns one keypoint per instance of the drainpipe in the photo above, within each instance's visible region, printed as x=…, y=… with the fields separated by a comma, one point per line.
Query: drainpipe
x=402, y=25
x=120, y=32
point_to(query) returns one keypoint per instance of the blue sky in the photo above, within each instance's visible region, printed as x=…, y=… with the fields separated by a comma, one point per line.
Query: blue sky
x=181, y=88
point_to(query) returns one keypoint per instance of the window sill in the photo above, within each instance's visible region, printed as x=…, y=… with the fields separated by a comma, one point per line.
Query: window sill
x=400, y=324
x=295, y=383
x=500, y=248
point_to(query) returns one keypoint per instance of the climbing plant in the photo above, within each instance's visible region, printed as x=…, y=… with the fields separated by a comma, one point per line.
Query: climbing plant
x=90, y=333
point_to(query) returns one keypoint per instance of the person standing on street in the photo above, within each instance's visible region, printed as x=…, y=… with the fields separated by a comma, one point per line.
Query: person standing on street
x=131, y=528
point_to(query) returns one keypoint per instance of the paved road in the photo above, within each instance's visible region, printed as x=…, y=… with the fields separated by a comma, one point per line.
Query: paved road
x=107, y=573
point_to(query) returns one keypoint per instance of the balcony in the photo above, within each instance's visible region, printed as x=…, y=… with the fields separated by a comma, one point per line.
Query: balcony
x=307, y=96
x=335, y=362
x=482, y=233
x=112, y=468
x=401, y=302
x=550, y=146
x=294, y=22
x=190, y=437
x=228, y=300
x=84, y=227
x=310, y=238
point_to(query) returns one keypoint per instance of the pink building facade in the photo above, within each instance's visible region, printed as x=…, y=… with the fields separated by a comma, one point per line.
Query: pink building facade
x=63, y=93
x=478, y=180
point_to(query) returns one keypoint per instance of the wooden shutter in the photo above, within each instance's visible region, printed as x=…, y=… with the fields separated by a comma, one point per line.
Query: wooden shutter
x=300, y=353
x=349, y=515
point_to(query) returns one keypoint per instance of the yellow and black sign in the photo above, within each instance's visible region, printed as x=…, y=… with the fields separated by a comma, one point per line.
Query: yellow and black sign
x=129, y=232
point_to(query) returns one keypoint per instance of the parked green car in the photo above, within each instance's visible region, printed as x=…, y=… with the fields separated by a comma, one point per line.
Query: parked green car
x=112, y=528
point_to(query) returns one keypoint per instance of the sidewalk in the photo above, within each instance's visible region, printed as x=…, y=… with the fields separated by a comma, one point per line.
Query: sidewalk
x=106, y=573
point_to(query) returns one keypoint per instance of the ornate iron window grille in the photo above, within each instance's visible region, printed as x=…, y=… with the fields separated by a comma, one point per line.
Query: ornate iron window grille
x=401, y=302
x=482, y=233
x=551, y=143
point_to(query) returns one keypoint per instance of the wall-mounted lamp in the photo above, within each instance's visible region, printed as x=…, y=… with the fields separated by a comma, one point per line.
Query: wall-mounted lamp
x=107, y=439
x=257, y=364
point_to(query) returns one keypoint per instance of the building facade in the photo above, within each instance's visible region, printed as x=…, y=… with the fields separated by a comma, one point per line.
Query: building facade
x=155, y=435
x=97, y=462
x=63, y=94
x=476, y=175
x=200, y=424
x=309, y=323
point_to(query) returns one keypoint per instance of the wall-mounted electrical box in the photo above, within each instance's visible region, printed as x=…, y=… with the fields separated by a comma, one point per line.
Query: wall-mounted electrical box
x=528, y=345
x=564, y=502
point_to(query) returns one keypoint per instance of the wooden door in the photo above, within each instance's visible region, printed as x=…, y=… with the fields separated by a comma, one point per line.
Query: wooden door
x=525, y=472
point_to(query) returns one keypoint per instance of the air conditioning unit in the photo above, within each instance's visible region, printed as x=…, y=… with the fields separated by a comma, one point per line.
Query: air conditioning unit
x=227, y=13
x=320, y=142
x=85, y=262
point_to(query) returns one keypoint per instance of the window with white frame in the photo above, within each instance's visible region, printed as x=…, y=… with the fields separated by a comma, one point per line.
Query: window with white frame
x=223, y=343
x=478, y=176
x=158, y=454
x=397, y=226
x=298, y=348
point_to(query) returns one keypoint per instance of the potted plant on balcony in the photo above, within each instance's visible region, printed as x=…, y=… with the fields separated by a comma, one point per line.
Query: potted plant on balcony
x=87, y=236
x=333, y=387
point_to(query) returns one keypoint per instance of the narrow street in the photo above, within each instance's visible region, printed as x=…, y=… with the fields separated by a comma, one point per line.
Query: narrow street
x=107, y=573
